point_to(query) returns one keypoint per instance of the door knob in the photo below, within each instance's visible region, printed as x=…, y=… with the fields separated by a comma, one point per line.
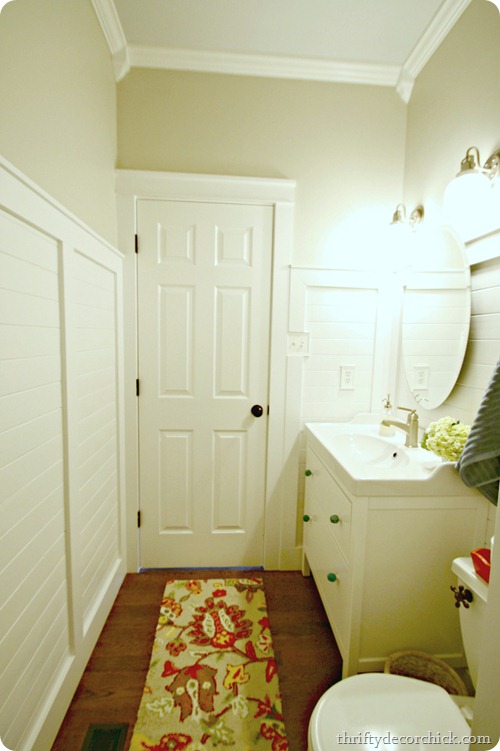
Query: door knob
x=257, y=410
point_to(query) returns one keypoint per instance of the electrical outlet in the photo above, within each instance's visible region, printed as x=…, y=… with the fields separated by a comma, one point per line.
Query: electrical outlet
x=347, y=377
x=421, y=377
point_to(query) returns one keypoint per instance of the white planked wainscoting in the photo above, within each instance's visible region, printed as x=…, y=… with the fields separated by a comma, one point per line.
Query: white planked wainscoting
x=61, y=445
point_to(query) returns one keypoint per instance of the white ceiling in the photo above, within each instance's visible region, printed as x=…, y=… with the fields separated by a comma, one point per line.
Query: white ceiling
x=374, y=31
x=382, y=42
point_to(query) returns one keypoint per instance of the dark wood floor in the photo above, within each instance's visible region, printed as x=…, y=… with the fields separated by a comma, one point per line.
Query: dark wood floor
x=111, y=687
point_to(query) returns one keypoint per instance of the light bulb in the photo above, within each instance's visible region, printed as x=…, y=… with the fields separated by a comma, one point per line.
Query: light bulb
x=467, y=204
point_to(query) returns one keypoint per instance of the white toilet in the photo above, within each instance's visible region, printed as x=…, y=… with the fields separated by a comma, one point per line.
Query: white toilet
x=375, y=710
x=471, y=618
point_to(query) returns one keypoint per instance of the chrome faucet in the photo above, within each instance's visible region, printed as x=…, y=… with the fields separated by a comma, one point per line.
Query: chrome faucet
x=410, y=427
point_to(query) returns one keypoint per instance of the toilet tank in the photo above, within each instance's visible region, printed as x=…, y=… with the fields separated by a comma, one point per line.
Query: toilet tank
x=471, y=618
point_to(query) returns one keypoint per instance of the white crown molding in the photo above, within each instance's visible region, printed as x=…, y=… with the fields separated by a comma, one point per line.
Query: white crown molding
x=115, y=36
x=442, y=23
x=263, y=65
x=402, y=78
x=404, y=85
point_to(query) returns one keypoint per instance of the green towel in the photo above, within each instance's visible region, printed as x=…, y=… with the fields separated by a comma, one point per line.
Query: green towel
x=479, y=464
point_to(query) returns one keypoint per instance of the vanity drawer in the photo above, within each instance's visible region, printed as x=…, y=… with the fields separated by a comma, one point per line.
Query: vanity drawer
x=334, y=507
x=331, y=572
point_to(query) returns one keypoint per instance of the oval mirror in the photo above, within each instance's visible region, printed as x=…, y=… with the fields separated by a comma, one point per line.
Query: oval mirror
x=436, y=315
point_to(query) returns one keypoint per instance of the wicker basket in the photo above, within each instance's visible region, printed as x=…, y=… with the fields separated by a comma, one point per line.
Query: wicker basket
x=426, y=667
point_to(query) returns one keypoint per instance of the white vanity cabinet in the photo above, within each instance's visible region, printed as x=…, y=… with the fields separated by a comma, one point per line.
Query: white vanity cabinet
x=382, y=563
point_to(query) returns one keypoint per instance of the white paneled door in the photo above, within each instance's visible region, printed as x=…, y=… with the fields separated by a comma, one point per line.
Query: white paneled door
x=204, y=314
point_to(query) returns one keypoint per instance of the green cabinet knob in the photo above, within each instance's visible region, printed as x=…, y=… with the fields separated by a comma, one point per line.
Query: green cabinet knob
x=331, y=577
x=334, y=519
x=308, y=473
x=306, y=518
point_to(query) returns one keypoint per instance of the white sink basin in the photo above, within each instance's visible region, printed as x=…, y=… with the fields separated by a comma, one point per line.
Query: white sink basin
x=369, y=463
x=370, y=452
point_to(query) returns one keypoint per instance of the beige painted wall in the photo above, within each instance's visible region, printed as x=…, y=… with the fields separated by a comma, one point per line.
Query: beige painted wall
x=58, y=113
x=344, y=144
x=455, y=104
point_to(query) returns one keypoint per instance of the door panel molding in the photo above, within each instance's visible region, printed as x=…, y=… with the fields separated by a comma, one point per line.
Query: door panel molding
x=133, y=186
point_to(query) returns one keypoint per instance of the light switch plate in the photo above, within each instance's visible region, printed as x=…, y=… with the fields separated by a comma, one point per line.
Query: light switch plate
x=298, y=343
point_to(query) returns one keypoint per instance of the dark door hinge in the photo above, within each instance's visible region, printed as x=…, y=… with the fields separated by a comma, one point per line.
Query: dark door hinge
x=268, y=409
x=136, y=243
x=139, y=519
x=137, y=387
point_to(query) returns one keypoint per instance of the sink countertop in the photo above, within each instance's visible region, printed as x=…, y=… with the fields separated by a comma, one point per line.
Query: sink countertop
x=369, y=464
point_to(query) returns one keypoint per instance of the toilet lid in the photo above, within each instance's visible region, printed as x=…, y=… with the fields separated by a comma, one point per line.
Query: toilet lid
x=384, y=712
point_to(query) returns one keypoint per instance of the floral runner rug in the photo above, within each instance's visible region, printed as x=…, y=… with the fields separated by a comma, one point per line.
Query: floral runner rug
x=212, y=681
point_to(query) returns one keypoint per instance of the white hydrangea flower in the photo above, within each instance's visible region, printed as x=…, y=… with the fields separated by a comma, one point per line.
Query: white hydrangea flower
x=446, y=438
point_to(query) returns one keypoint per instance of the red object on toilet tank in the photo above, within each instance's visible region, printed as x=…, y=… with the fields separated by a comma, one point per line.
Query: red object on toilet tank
x=481, y=558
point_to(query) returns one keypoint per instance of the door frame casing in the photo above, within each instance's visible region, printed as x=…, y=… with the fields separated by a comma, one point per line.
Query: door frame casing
x=134, y=185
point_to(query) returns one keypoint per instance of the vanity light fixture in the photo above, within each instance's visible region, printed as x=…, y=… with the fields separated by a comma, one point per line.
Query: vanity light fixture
x=399, y=216
x=470, y=166
x=468, y=198
x=473, y=177
x=400, y=238
x=416, y=217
